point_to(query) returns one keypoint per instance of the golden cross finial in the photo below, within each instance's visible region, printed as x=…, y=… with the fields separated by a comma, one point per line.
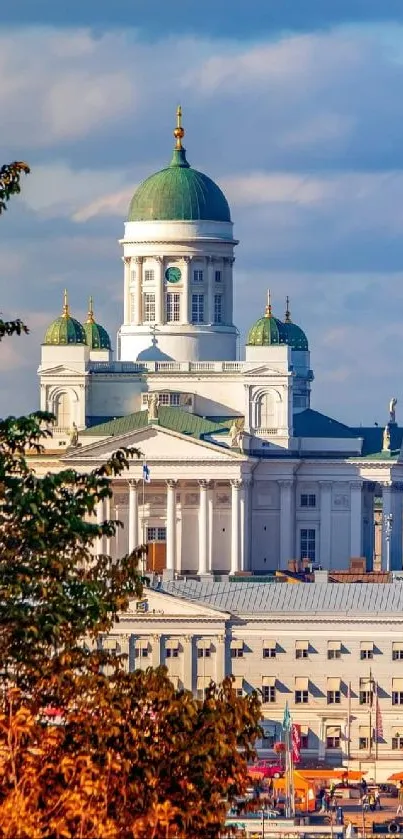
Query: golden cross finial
x=179, y=132
x=66, y=310
x=90, y=316
x=287, y=310
x=268, y=307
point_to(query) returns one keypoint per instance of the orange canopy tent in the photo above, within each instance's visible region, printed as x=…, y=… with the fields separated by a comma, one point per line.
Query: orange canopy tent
x=397, y=776
x=304, y=794
x=348, y=774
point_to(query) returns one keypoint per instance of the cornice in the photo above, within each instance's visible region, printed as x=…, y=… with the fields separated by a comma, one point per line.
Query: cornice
x=185, y=240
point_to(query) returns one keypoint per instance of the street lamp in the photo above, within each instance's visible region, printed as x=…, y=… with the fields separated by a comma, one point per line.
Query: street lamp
x=388, y=524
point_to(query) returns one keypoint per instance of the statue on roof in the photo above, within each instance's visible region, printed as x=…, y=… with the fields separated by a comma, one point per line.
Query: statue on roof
x=386, y=439
x=392, y=410
x=74, y=435
x=152, y=402
x=236, y=433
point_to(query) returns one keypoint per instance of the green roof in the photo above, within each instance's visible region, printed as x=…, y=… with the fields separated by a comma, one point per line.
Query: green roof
x=65, y=330
x=295, y=336
x=172, y=418
x=267, y=331
x=179, y=193
x=97, y=336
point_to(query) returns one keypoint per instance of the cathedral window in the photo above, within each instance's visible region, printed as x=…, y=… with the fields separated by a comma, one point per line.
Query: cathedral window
x=198, y=276
x=308, y=500
x=156, y=534
x=173, y=307
x=218, y=308
x=149, y=308
x=197, y=308
x=217, y=276
x=63, y=411
x=308, y=543
x=148, y=275
x=267, y=411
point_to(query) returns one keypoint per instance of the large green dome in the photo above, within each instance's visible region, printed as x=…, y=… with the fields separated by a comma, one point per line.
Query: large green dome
x=178, y=192
x=65, y=329
x=97, y=337
x=268, y=331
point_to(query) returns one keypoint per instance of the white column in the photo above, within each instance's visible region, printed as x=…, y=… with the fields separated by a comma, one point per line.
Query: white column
x=235, y=518
x=210, y=498
x=356, y=518
x=171, y=525
x=107, y=517
x=210, y=289
x=133, y=516
x=126, y=301
x=100, y=520
x=188, y=679
x=245, y=523
x=325, y=536
x=219, y=643
x=186, y=286
x=228, y=289
x=286, y=523
x=159, y=291
x=138, y=309
x=203, y=529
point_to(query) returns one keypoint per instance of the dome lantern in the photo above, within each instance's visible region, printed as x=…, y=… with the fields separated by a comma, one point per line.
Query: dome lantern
x=179, y=192
x=268, y=330
x=65, y=330
x=97, y=337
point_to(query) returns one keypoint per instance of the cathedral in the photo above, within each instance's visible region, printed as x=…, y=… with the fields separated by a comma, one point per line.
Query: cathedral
x=238, y=474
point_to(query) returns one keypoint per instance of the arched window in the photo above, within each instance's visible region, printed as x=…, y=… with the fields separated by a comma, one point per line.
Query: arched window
x=267, y=410
x=63, y=411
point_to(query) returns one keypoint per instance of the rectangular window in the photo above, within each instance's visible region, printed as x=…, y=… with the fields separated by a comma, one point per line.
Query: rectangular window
x=397, y=697
x=334, y=649
x=333, y=697
x=301, y=649
x=308, y=500
x=301, y=653
x=156, y=534
x=174, y=653
x=197, y=308
x=149, y=308
x=269, y=652
x=397, y=742
x=301, y=697
x=236, y=653
x=268, y=693
x=141, y=652
x=203, y=653
x=333, y=737
x=366, y=654
x=397, y=651
x=163, y=398
x=268, y=740
x=198, y=276
x=308, y=544
x=149, y=275
x=236, y=648
x=217, y=276
x=173, y=307
x=363, y=743
x=218, y=308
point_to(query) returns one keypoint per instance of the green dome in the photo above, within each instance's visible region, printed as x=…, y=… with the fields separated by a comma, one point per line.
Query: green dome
x=268, y=331
x=296, y=337
x=65, y=329
x=97, y=337
x=178, y=192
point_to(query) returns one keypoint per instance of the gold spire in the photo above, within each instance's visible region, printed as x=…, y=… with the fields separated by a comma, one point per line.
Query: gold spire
x=66, y=309
x=90, y=315
x=179, y=132
x=268, y=307
x=287, y=310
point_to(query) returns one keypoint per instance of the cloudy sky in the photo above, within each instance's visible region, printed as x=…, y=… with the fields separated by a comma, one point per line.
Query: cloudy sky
x=294, y=106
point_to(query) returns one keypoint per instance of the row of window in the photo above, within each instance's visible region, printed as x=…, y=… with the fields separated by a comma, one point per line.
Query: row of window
x=198, y=276
x=173, y=308
x=333, y=740
x=303, y=649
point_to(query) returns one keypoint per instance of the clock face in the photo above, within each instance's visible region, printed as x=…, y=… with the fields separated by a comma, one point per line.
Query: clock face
x=173, y=274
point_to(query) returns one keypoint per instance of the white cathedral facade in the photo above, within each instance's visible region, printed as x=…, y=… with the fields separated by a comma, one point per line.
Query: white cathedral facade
x=245, y=475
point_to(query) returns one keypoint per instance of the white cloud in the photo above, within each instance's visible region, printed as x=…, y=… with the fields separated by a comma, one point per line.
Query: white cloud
x=56, y=189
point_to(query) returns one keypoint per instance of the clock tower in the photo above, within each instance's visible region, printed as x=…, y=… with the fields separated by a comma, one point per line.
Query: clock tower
x=178, y=254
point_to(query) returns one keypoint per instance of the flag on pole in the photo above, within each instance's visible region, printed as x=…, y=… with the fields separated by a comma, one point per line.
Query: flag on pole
x=287, y=718
x=296, y=743
x=378, y=717
x=146, y=473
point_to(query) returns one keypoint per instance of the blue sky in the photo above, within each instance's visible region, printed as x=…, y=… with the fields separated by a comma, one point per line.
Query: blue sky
x=295, y=108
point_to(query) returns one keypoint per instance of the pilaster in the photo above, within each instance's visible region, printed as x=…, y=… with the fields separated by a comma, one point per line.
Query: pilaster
x=203, y=528
x=187, y=672
x=186, y=262
x=236, y=485
x=286, y=522
x=325, y=534
x=356, y=518
x=138, y=315
x=171, y=525
x=159, y=291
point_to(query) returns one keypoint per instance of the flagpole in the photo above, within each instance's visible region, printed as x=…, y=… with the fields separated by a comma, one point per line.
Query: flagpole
x=144, y=518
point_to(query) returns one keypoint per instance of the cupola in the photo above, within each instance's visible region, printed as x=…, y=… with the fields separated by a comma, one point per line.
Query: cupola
x=65, y=330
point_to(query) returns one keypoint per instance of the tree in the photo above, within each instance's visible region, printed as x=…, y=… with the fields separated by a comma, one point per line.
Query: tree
x=10, y=184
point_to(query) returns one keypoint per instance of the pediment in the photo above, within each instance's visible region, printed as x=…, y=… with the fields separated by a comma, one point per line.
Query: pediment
x=263, y=370
x=155, y=603
x=59, y=370
x=156, y=444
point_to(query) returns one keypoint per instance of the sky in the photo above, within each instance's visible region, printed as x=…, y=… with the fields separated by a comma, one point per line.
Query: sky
x=294, y=107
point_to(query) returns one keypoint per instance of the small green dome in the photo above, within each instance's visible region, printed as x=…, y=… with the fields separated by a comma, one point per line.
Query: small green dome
x=267, y=331
x=65, y=329
x=296, y=337
x=178, y=192
x=97, y=337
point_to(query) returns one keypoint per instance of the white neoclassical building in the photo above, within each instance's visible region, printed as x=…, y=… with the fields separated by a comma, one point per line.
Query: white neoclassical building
x=245, y=475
